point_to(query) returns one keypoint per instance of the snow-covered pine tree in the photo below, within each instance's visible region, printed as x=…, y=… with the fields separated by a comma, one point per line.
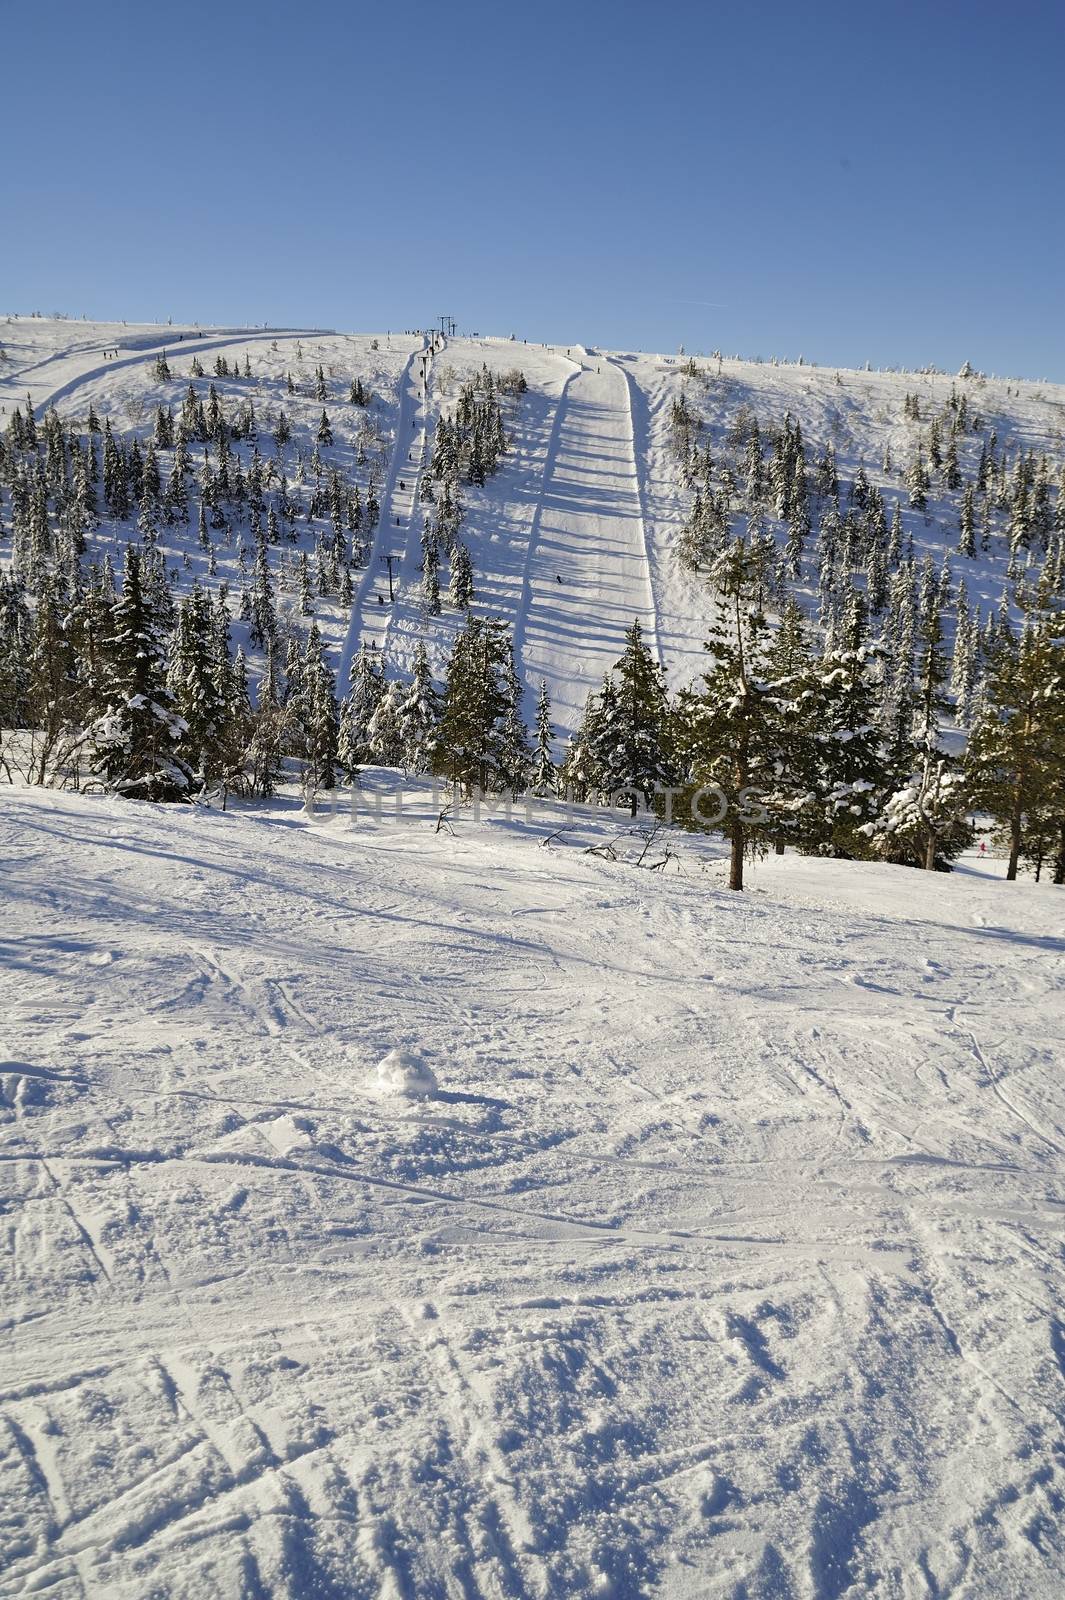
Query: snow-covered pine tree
x=917, y=482
x=318, y=715
x=544, y=772
x=734, y=730
x=849, y=768
x=134, y=742
x=515, y=758
x=585, y=772
x=430, y=582
x=193, y=681
x=419, y=717
x=477, y=727
x=634, y=739
x=922, y=821
x=51, y=683
x=384, y=733
x=460, y=587
x=1016, y=754
x=365, y=688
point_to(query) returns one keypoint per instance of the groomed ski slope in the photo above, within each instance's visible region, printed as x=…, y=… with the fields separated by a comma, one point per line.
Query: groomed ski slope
x=560, y=546
x=726, y=1262
x=587, y=576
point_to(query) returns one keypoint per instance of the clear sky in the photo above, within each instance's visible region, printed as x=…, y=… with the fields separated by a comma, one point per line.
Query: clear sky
x=847, y=182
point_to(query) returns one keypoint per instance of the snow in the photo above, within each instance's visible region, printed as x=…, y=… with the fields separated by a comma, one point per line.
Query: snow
x=406, y=1074
x=61, y=363
x=590, y=492
x=401, y=1213
x=726, y=1260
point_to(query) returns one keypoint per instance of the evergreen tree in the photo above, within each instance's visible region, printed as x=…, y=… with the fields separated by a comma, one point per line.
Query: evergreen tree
x=419, y=718
x=460, y=587
x=385, y=730
x=193, y=681
x=917, y=481
x=735, y=727
x=366, y=687
x=318, y=715
x=1017, y=750
x=848, y=769
x=135, y=740
x=967, y=524
x=430, y=583
x=263, y=613
x=585, y=770
x=51, y=682
x=476, y=728
x=544, y=772
x=635, y=737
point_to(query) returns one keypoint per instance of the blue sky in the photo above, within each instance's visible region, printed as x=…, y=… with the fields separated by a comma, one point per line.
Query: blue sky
x=848, y=183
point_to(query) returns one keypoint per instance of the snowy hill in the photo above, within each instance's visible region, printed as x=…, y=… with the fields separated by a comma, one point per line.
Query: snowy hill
x=417, y=1206
x=579, y=530
x=724, y=1261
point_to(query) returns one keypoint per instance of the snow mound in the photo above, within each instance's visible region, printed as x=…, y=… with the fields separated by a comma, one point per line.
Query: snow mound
x=405, y=1073
x=287, y=1134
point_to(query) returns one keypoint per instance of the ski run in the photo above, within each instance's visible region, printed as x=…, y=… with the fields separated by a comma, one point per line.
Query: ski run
x=407, y=1199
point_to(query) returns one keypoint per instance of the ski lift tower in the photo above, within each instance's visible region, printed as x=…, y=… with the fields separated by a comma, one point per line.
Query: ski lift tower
x=389, y=559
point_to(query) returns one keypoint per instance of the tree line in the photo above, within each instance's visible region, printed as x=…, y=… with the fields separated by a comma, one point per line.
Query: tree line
x=843, y=724
x=124, y=686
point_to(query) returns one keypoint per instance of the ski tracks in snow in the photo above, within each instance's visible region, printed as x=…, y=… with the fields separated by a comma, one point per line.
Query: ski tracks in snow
x=716, y=1264
x=586, y=576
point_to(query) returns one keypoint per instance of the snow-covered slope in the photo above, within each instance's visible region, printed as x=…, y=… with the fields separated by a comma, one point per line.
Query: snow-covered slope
x=591, y=491
x=726, y=1260
x=110, y=366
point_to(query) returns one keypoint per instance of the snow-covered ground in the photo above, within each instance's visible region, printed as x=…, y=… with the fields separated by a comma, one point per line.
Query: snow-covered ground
x=591, y=491
x=725, y=1260
x=72, y=365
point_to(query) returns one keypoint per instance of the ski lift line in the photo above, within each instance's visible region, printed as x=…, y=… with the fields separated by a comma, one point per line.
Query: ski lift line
x=384, y=524
x=420, y=407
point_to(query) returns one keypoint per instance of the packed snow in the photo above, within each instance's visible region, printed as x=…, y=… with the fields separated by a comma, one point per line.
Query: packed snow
x=405, y=1073
x=725, y=1257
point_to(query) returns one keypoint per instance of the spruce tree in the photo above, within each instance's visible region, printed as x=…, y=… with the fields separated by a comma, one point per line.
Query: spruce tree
x=193, y=681
x=419, y=718
x=366, y=686
x=635, y=740
x=1017, y=751
x=735, y=732
x=585, y=771
x=477, y=723
x=544, y=772
x=460, y=587
x=135, y=740
x=385, y=732
x=318, y=715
